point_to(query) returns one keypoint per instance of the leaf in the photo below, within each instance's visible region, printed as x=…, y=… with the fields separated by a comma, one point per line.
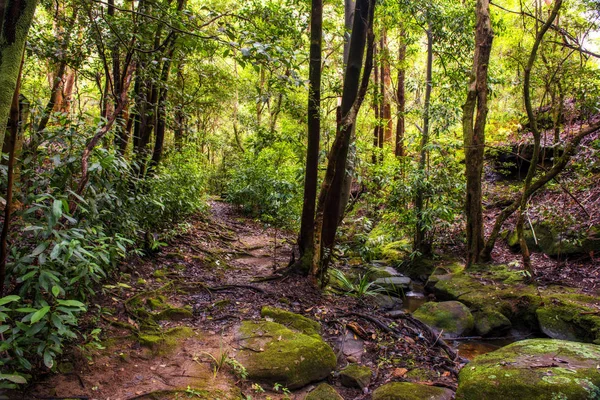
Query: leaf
x=55, y=291
x=71, y=303
x=48, y=358
x=57, y=209
x=9, y=299
x=39, y=314
x=39, y=249
x=13, y=378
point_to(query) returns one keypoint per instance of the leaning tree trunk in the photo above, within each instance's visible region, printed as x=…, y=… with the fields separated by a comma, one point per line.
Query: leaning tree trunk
x=328, y=209
x=536, y=136
x=16, y=19
x=307, y=227
x=474, y=131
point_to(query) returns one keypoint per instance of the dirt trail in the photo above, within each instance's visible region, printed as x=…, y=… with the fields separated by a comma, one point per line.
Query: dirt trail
x=209, y=269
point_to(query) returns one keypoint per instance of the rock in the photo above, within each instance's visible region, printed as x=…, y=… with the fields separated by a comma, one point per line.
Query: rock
x=451, y=317
x=351, y=346
x=394, y=284
x=568, y=321
x=411, y=391
x=356, y=376
x=491, y=323
x=534, y=369
x=291, y=320
x=272, y=353
x=165, y=341
x=387, y=302
x=376, y=272
x=323, y=392
x=172, y=314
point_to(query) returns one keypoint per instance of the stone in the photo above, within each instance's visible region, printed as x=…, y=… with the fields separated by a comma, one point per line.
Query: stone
x=452, y=318
x=411, y=391
x=356, y=376
x=351, y=346
x=323, y=392
x=534, y=369
x=291, y=320
x=568, y=321
x=273, y=353
x=376, y=272
x=491, y=323
x=387, y=302
x=394, y=284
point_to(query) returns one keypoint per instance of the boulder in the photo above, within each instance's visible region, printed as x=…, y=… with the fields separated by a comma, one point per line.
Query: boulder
x=450, y=317
x=323, y=392
x=569, y=321
x=356, y=376
x=291, y=320
x=387, y=302
x=394, y=284
x=534, y=369
x=273, y=353
x=411, y=391
x=491, y=323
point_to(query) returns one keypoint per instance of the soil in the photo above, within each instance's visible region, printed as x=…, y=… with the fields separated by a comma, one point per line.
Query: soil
x=211, y=268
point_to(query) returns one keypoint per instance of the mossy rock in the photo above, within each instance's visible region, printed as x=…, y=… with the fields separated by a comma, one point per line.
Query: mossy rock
x=292, y=320
x=165, y=341
x=491, y=323
x=411, y=391
x=355, y=375
x=272, y=353
x=381, y=272
x=534, y=369
x=450, y=317
x=397, y=251
x=394, y=284
x=323, y=392
x=173, y=314
x=568, y=321
x=156, y=303
x=554, y=242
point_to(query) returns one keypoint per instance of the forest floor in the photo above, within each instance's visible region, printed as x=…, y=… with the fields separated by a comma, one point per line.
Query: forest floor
x=210, y=269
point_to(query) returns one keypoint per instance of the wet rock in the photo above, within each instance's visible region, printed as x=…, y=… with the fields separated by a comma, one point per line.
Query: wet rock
x=272, y=353
x=534, y=369
x=394, y=284
x=411, y=391
x=323, y=392
x=491, y=323
x=357, y=376
x=450, y=317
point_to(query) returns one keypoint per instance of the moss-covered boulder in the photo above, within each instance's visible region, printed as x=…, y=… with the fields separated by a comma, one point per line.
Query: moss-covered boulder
x=569, y=321
x=273, y=353
x=535, y=369
x=450, y=317
x=411, y=391
x=323, y=392
x=172, y=314
x=355, y=375
x=291, y=320
x=491, y=323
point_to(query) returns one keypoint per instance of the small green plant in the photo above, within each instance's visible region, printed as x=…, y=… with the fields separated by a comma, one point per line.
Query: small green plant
x=237, y=367
x=363, y=287
x=286, y=392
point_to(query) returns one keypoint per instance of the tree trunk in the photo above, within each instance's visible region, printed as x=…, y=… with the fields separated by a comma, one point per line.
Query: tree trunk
x=474, y=131
x=401, y=97
x=15, y=23
x=307, y=226
x=328, y=208
x=376, y=102
x=386, y=83
x=421, y=244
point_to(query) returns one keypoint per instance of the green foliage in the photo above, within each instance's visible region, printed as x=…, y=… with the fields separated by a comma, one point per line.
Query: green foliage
x=266, y=185
x=359, y=289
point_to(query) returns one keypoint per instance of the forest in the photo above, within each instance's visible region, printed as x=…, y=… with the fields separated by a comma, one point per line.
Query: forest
x=294, y=199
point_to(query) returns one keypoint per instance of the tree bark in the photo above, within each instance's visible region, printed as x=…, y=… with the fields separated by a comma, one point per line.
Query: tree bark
x=376, y=103
x=386, y=83
x=15, y=22
x=307, y=226
x=401, y=97
x=474, y=131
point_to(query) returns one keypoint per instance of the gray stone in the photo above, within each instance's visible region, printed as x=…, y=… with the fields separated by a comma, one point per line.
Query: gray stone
x=395, y=284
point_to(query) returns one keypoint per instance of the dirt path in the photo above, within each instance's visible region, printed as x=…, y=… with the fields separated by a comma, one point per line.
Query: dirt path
x=209, y=270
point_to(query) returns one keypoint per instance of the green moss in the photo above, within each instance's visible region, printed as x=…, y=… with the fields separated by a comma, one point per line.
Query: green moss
x=141, y=282
x=291, y=320
x=570, y=321
x=159, y=273
x=165, y=341
x=156, y=303
x=355, y=375
x=179, y=267
x=220, y=304
x=397, y=251
x=451, y=317
x=491, y=323
x=421, y=374
x=410, y=391
x=175, y=256
x=323, y=392
x=514, y=369
x=275, y=354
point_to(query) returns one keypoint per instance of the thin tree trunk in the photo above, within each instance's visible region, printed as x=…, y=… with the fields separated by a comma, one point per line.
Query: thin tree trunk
x=474, y=131
x=421, y=244
x=401, y=97
x=376, y=102
x=386, y=83
x=307, y=225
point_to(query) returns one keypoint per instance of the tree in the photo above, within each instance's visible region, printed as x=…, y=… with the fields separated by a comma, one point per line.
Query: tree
x=307, y=228
x=17, y=16
x=474, y=131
